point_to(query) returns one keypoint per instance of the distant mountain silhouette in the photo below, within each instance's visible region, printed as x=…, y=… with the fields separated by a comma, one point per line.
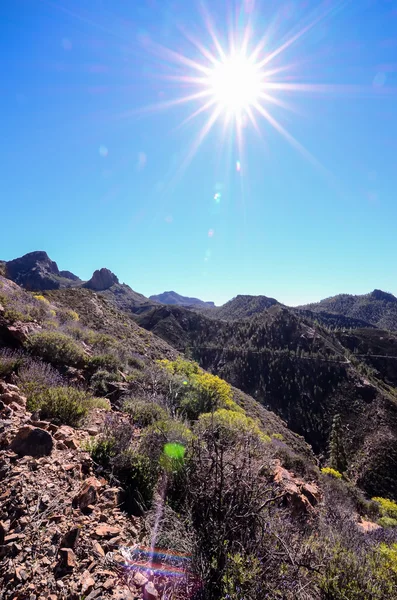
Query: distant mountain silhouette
x=178, y=300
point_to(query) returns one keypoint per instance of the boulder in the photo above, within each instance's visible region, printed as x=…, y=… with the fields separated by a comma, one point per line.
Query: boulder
x=88, y=493
x=32, y=441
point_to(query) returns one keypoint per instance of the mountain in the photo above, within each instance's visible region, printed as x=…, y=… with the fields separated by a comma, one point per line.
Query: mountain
x=377, y=308
x=304, y=373
x=178, y=300
x=113, y=441
x=242, y=307
x=36, y=271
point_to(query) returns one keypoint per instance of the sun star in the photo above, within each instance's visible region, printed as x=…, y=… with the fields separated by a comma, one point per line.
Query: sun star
x=235, y=84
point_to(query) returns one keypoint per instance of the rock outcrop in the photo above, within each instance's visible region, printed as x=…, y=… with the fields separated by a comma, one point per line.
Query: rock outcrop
x=102, y=279
x=35, y=271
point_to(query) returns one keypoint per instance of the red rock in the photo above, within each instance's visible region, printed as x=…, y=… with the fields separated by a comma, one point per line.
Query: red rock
x=98, y=548
x=88, y=493
x=10, y=397
x=368, y=526
x=67, y=558
x=150, y=592
x=87, y=582
x=21, y=574
x=71, y=538
x=32, y=441
x=139, y=579
x=109, y=583
x=107, y=531
x=64, y=432
x=72, y=444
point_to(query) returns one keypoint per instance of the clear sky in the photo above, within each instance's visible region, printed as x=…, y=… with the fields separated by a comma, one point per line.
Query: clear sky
x=295, y=196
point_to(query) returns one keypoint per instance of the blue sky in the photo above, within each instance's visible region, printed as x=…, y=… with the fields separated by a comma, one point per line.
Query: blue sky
x=96, y=174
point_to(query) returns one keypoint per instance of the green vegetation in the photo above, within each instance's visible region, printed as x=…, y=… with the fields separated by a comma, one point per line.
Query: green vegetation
x=388, y=508
x=64, y=405
x=144, y=413
x=56, y=348
x=337, y=459
x=332, y=472
x=210, y=451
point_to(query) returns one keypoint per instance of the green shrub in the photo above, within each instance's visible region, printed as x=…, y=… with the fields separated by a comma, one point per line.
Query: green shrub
x=388, y=508
x=104, y=362
x=138, y=475
x=144, y=413
x=102, y=449
x=64, y=405
x=56, y=348
x=101, y=380
x=135, y=362
x=230, y=426
x=166, y=431
x=350, y=574
x=332, y=472
x=387, y=522
x=241, y=577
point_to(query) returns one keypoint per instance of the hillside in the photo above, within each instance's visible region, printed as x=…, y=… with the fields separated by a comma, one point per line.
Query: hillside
x=301, y=371
x=376, y=308
x=242, y=307
x=129, y=471
x=178, y=300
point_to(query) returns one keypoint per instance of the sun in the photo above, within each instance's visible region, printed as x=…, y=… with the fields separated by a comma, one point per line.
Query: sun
x=235, y=84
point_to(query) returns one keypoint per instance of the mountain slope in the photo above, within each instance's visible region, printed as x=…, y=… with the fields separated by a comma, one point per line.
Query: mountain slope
x=376, y=308
x=178, y=300
x=242, y=307
x=302, y=372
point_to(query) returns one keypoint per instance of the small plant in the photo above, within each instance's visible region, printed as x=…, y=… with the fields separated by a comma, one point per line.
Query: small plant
x=56, y=348
x=138, y=475
x=35, y=377
x=10, y=361
x=144, y=413
x=41, y=298
x=107, y=362
x=101, y=380
x=65, y=405
x=230, y=426
x=135, y=362
x=387, y=522
x=331, y=472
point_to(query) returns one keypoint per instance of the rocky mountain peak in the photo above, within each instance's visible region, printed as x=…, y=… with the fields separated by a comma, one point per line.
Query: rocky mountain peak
x=34, y=271
x=102, y=279
x=386, y=296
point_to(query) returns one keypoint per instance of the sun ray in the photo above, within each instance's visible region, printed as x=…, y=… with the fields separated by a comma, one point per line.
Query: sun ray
x=289, y=137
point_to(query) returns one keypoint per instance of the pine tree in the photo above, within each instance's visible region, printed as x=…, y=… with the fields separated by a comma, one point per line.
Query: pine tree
x=337, y=457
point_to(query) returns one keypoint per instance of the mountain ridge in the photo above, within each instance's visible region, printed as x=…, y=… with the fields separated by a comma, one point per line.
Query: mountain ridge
x=176, y=299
